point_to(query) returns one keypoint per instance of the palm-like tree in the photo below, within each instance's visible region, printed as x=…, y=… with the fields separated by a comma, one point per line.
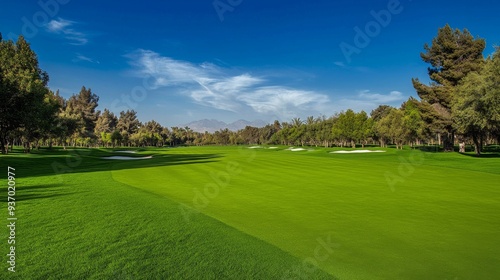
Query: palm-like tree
x=296, y=122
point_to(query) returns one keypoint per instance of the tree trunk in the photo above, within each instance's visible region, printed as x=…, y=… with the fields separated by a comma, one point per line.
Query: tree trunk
x=452, y=141
x=477, y=144
x=27, y=147
x=481, y=142
x=2, y=146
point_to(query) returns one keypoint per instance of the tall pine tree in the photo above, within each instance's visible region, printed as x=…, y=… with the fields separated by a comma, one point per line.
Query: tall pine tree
x=452, y=55
x=82, y=108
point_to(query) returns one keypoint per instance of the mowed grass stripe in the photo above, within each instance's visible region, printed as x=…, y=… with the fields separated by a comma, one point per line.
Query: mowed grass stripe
x=291, y=199
x=439, y=223
x=98, y=228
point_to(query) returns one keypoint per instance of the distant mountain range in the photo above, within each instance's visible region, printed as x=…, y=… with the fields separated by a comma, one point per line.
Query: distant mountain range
x=215, y=125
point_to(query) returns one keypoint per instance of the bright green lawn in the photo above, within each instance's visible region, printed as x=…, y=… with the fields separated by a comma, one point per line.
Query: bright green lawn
x=239, y=213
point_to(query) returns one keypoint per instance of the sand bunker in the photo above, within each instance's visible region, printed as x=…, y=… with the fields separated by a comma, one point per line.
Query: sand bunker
x=273, y=147
x=298, y=149
x=127, y=158
x=357, y=152
x=128, y=152
x=255, y=147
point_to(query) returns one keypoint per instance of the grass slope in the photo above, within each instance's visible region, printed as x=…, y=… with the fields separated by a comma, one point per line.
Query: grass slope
x=84, y=225
x=438, y=220
x=239, y=213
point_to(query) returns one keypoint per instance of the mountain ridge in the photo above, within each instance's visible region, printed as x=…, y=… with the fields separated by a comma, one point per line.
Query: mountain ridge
x=212, y=125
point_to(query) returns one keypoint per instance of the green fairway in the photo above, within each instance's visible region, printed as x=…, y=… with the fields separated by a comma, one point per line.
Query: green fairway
x=241, y=213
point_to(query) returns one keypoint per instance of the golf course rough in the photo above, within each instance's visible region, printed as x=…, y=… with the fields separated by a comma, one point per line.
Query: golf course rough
x=239, y=213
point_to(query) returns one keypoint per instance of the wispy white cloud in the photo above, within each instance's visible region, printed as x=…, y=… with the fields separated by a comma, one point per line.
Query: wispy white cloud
x=80, y=57
x=367, y=100
x=210, y=85
x=339, y=63
x=221, y=88
x=59, y=25
x=284, y=102
x=65, y=28
x=393, y=96
x=167, y=71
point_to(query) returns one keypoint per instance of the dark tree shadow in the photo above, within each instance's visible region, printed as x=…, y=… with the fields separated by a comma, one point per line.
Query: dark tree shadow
x=489, y=151
x=57, y=162
x=25, y=197
x=492, y=149
x=429, y=149
x=24, y=193
x=483, y=155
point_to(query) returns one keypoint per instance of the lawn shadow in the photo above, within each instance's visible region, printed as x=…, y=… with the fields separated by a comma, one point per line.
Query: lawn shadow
x=429, y=149
x=488, y=151
x=58, y=162
x=24, y=193
x=483, y=155
x=492, y=149
x=162, y=160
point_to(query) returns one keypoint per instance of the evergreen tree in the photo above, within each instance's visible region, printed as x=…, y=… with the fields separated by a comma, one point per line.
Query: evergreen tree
x=82, y=108
x=380, y=112
x=128, y=124
x=452, y=55
x=152, y=133
x=364, y=128
x=345, y=129
x=24, y=96
x=412, y=121
x=105, y=126
x=476, y=104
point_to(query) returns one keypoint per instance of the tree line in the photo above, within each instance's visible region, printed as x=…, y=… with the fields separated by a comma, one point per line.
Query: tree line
x=461, y=104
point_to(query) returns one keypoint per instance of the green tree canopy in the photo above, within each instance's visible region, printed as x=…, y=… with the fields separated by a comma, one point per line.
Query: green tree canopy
x=82, y=108
x=128, y=123
x=452, y=55
x=476, y=104
x=25, y=102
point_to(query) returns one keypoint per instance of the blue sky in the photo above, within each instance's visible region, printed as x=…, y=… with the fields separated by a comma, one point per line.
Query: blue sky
x=179, y=61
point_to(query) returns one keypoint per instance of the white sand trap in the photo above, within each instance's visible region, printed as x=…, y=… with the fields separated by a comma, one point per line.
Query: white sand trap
x=255, y=147
x=357, y=152
x=128, y=152
x=273, y=148
x=127, y=158
x=298, y=149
